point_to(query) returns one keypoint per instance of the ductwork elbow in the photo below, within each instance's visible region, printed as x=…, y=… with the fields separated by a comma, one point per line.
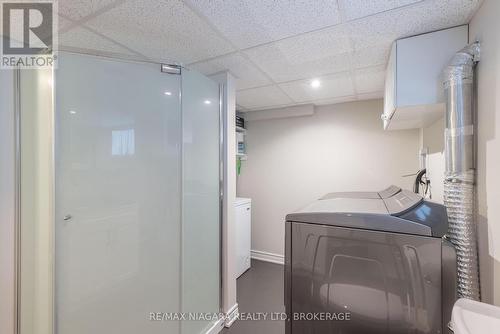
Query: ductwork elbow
x=461, y=66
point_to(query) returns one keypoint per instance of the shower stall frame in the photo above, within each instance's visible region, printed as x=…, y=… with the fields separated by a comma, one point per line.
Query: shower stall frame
x=17, y=99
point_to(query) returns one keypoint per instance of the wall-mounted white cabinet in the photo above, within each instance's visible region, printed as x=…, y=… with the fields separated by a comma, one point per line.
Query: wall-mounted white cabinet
x=414, y=94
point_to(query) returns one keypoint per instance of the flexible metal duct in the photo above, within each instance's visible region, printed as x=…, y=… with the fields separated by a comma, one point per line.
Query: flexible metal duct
x=460, y=167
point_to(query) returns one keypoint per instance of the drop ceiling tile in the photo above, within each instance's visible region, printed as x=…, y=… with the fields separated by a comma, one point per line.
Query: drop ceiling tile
x=382, y=29
x=80, y=38
x=251, y=22
x=64, y=24
x=332, y=86
x=162, y=30
x=240, y=108
x=78, y=9
x=373, y=56
x=342, y=99
x=282, y=66
x=304, y=56
x=371, y=96
x=370, y=79
x=246, y=74
x=261, y=97
x=353, y=9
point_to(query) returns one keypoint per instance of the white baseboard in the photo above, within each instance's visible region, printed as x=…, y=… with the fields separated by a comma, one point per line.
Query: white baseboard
x=232, y=315
x=268, y=257
x=216, y=327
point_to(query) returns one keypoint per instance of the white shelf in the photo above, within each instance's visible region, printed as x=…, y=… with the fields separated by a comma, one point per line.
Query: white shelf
x=242, y=156
x=240, y=138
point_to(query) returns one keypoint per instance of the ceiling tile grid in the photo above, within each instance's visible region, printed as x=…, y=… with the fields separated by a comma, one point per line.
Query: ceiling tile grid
x=247, y=23
x=79, y=9
x=430, y=15
x=369, y=79
x=303, y=56
x=332, y=86
x=162, y=30
x=355, y=9
x=374, y=56
x=262, y=97
x=81, y=38
x=273, y=47
x=282, y=71
x=64, y=24
x=246, y=74
x=342, y=99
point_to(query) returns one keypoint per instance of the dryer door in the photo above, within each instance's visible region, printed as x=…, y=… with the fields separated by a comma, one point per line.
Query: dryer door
x=354, y=281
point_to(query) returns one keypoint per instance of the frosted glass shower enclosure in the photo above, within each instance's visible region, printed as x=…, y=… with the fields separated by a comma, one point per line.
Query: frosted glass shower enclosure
x=136, y=211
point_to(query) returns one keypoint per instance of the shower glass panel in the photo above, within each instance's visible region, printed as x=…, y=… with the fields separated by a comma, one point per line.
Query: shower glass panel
x=200, y=199
x=118, y=196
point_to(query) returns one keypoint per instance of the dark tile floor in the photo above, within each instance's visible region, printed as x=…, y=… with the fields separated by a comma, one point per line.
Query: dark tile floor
x=260, y=290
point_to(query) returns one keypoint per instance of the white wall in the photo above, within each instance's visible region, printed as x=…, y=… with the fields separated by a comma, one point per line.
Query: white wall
x=433, y=140
x=294, y=161
x=485, y=27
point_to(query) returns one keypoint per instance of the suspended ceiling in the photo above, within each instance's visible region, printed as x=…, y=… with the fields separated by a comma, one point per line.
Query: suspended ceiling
x=273, y=47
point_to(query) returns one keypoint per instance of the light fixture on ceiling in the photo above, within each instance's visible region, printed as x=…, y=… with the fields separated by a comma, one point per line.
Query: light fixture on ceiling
x=168, y=93
x=207, y=102
x=315, y=83
x=72, y=112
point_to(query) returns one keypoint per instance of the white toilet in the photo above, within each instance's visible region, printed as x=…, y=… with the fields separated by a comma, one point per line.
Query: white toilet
x=471, y=317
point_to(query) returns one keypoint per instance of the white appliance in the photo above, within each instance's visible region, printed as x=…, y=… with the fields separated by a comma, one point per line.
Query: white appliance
x=243, y=208
x=471, y=317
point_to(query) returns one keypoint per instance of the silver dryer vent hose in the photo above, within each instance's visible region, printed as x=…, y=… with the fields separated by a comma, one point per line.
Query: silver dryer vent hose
x=459, y=184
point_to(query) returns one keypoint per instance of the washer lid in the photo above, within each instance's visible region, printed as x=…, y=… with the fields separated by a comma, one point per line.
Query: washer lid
x=386, y=193
x=403, y=212
x=363, y=221
x=399, y=202
x=348, y=204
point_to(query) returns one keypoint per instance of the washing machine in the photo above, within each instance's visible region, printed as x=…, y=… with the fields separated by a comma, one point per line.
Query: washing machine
x=369, y=262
